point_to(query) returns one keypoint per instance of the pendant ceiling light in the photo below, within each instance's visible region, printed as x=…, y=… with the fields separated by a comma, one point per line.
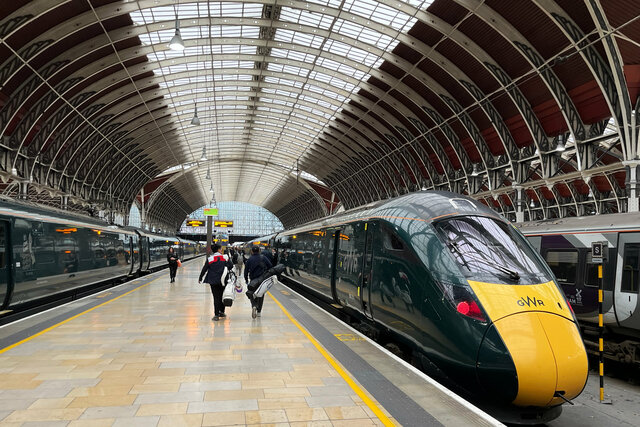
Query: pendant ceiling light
x=176, y=42
x=203, y=158
x=195, y=121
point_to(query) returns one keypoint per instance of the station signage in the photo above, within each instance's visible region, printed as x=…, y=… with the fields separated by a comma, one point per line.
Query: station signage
x=210, y=211
x=223, y=224
x=195, y=223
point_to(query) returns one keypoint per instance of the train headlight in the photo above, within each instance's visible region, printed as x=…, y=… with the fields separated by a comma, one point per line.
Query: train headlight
x=462, y=299
x=471, y=309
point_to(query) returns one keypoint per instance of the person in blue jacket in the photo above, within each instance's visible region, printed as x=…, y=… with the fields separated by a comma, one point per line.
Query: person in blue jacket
x=256, y=265
x=214, y=268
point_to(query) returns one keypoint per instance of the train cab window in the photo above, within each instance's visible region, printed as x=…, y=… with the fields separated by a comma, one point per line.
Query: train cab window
x=564, y=265
x=631, y=268
x=591, y=272
x=490, y=250
x=392, y=242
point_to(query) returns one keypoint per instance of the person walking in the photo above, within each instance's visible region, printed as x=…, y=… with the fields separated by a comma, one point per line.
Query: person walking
x=213, y=269
x=239, y=262
x=172, y=259
x=256, y=265
x=266, y=252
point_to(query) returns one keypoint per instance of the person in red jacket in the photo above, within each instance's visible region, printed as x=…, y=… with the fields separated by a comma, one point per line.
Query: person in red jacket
x=214, y=268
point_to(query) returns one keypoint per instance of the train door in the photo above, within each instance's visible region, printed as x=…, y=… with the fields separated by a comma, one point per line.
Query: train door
x=627, y=276
x=145, y=254
x=130, y=255
x=334, y=235
x=5, y=264
x=366, y=278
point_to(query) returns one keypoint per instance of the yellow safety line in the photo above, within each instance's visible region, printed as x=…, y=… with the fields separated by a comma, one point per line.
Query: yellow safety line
x=377, y=411
x=71, y=318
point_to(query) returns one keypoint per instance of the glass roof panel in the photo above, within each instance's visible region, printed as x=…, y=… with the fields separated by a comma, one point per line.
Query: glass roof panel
x=295, y=37
x=277, y=86
x=304, y=17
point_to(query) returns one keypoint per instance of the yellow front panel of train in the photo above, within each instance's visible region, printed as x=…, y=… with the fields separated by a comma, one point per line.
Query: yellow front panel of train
x=572, y=364
x=500, y=300
x=527, y=343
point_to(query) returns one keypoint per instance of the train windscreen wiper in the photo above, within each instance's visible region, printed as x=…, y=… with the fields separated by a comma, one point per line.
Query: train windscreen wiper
x=513, y=275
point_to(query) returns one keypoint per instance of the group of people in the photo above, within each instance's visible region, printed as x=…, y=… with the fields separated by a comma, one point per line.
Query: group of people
x=214, y=268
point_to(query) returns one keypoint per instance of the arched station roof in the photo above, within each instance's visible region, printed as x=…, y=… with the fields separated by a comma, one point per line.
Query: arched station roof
x=529, y=106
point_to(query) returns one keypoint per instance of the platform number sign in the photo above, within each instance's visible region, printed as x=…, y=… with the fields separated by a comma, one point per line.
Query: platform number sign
x=597, y=252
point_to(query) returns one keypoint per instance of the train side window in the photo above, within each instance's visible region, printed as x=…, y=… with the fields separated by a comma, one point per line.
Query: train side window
x=2, y=249
x=630, y=268
x=564, y=265
x=591, y=273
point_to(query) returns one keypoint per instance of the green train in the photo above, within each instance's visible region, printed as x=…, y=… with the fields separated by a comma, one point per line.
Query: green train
x=48, y=255
x=455, y=286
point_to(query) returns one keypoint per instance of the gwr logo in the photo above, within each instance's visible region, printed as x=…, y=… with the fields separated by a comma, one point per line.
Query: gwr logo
x=530, y=302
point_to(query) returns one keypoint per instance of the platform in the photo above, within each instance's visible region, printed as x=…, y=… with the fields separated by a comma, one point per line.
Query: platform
x=148, y=354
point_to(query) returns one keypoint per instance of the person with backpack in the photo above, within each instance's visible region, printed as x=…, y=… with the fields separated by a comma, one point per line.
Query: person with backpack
x=256, y=265
x=239, y=261
x=214, y=268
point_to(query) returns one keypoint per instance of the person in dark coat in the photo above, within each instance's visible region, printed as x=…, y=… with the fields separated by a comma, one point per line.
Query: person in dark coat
x=256, y=265
x=266, y=252
x=172, y=259
x=213, y=269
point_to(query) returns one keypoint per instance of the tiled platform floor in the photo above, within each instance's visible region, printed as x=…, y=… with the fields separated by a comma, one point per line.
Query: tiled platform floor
x=154, y=357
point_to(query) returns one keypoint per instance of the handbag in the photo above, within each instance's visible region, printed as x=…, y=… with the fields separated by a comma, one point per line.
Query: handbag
x=179, y=263
x=228, y=295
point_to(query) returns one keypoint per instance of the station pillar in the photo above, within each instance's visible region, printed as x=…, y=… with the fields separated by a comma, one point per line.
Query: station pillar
x=209, y=232
x=520, y=204
x=633, y=184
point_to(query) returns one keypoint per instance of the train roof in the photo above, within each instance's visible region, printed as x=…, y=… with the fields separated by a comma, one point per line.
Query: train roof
x=45, y=214
x=609, y=222
x=425, y=206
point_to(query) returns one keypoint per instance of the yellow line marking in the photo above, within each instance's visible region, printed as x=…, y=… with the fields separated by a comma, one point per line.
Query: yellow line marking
x=345, y=376
x=104, y=295
x=73, y=317
x=349, y=337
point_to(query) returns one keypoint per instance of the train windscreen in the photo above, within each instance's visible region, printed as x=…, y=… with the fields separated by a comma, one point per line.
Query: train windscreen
x=491, y=251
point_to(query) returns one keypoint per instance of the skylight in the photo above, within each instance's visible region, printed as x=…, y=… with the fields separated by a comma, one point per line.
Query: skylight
x=278, y=80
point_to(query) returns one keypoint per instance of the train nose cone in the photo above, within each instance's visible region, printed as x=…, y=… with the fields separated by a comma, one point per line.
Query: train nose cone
x=547, y=353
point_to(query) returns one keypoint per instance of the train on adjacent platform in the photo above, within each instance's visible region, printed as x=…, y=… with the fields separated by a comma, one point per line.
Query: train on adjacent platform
x=566, y=246
x=455, y=286
x=49, y=255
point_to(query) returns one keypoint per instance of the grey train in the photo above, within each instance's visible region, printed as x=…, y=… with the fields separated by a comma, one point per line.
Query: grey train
x=48, y=255
x=566, y=246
